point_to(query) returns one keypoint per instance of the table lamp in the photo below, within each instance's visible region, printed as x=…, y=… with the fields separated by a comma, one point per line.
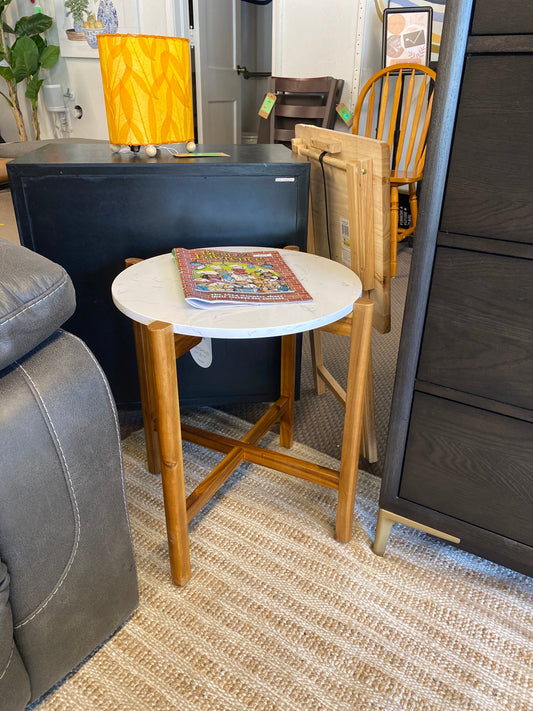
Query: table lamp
x=147, y=91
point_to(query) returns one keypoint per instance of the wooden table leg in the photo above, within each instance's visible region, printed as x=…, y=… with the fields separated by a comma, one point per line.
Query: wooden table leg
x=148, y=398
x=317, y=361
x=288, y=377
x=168, y=415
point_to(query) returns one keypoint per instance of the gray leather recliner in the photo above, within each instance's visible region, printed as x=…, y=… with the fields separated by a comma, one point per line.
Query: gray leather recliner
x=67, y=571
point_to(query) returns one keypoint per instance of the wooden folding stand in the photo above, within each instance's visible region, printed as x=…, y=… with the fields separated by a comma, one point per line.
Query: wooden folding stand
x=349, y=222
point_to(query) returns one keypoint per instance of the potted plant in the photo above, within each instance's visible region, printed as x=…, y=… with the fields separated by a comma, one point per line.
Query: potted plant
x=76, y=9
x=22, y=59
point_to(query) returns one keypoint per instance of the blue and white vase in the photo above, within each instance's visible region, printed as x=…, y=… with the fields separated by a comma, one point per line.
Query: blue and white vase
x=108, y=16
x=91, y=35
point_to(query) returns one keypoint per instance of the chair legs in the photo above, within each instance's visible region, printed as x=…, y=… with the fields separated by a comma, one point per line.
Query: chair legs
x=369, y=445
x=394, y=217
x=396, y=233
x=413, y=205
x=353, y=419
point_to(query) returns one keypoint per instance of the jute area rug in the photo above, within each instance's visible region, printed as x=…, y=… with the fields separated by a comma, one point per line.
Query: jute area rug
x=280, y=616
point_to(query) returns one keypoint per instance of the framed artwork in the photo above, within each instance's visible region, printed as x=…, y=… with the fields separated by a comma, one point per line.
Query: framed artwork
x=407, y=35
x=79, y=22
x=439, y=8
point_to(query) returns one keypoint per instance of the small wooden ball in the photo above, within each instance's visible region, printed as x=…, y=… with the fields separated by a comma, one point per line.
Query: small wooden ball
x=191, y=146
x=151, y=151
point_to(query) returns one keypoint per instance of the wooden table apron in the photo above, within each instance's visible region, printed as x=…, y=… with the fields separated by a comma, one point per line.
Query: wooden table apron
x=151, y=288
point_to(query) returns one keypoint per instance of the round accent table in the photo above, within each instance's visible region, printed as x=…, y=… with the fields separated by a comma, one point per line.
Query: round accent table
x=166, y=327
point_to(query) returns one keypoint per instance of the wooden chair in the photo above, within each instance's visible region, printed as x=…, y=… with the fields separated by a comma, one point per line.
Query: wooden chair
x=311, y=101
x=397, y=103
x=349, y=222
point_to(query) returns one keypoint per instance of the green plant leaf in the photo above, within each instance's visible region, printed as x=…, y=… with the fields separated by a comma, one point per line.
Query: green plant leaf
x=9, y=30
x=33, y=24
x=6, y=73
x=24, y=58
x=39, y=41
x=49, y=56
x=32, y=89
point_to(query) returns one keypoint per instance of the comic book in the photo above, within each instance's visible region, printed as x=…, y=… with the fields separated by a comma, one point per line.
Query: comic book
x=213, y=277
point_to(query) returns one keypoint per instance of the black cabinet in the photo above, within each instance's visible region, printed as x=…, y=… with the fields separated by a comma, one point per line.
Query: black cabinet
x=460, y=451
x=88, y=209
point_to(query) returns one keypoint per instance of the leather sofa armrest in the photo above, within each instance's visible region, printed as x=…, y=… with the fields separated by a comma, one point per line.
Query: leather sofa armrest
x=36, y=298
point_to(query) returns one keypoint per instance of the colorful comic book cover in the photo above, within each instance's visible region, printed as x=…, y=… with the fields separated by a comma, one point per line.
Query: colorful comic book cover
x=212, y=277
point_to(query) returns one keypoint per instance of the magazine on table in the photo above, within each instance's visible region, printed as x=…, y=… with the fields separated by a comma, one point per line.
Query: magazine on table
x=213, y=277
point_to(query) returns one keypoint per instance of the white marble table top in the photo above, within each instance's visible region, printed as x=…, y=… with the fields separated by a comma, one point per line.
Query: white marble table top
x=151, y=291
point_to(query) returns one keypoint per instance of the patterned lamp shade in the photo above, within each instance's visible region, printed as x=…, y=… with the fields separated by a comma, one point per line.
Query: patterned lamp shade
x=147, y=89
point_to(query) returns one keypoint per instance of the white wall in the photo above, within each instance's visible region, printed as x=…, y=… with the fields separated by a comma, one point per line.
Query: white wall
x=339, y=38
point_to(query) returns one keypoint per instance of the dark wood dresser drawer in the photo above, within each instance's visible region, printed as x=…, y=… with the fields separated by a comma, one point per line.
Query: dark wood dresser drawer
x=490, y=182
x=507, y=17
x=478, y=330
x=459, y=455
x=470, y=464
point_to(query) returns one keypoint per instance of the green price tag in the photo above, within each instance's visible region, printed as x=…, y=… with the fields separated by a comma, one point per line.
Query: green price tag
x=345, y=114
x=267, y=105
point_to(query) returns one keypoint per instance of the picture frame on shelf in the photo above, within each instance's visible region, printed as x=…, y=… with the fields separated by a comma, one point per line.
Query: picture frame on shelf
x=79, y=22
x=407, y=35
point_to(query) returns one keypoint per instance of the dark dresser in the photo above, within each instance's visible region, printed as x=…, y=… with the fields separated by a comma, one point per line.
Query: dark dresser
x=459, y=459
x=88, y=209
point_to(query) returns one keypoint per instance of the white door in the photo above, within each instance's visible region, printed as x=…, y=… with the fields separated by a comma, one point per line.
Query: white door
x=215, y=38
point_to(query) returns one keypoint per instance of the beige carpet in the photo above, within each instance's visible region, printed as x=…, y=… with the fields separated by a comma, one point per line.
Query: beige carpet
x=279, y=616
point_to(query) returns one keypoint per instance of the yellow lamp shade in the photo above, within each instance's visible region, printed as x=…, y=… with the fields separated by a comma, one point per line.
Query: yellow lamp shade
x=147, y=89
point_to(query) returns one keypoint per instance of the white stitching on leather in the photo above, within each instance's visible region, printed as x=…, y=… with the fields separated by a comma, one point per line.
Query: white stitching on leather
x=117, y=426
x=35, y=303
x=9, y=660
x=74, y=502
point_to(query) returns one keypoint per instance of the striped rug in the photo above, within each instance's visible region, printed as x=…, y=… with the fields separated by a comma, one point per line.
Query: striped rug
x=278, y=616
